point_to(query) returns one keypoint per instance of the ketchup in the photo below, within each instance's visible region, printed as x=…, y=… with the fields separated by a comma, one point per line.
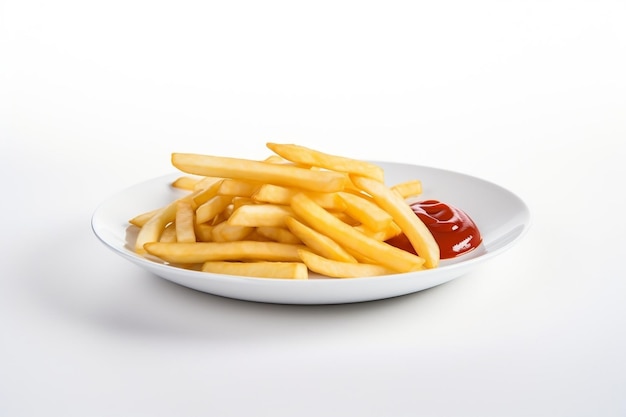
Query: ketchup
x=454, y=231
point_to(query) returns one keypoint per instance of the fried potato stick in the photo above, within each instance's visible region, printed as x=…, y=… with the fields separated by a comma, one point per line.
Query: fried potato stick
x=285, y=270
x=200, y=252
x=303, y=155
x=279, y=174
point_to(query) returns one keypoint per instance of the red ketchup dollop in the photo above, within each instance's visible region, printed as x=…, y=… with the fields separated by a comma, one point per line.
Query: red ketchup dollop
x=455, y=232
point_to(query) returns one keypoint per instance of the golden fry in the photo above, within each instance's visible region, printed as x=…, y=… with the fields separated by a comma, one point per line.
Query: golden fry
x=200, y=252
x=408, y=189
x=302, y=155
x=212, y=208
x=279, y=174
x=185, y=220
x=185, y=183
x=256, y=215
x=238, y=188
x=274, y=194
x=142, y=218
x=207, y=191
x=285, y=270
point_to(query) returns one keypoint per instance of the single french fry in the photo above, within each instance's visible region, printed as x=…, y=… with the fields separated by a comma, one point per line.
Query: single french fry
x=257, y=215
x=368, y=213
x=142, y=218
x=409, y=188
x=337, y=269
x=214, y=206
x=185, y=183
x=278, y=234
x=200, y=252
x=279, y=174
x=224, y=232
x=185, y=219
x=380, y=252
x=285, y=270
x=318, y=242
x=387, y=233
x=238, y=188
x=302, y=155
x=412, y=226
x=273, y=194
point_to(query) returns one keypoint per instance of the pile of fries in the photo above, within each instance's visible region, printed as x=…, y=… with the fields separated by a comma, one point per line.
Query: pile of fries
x=298, y=211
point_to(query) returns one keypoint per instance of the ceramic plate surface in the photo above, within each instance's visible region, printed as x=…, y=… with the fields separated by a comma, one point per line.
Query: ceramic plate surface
x=501, y=216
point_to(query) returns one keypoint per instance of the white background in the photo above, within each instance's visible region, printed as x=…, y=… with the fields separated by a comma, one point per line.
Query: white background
x=94, y=96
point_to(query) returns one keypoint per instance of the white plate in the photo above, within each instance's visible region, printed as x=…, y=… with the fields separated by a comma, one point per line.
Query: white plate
x=501, y=217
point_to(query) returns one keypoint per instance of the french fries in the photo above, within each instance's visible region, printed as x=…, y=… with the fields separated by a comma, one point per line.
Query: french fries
x=417, y=232
x=353, y=240
x=288, y=270
x=318, y=242
x=296, y=211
